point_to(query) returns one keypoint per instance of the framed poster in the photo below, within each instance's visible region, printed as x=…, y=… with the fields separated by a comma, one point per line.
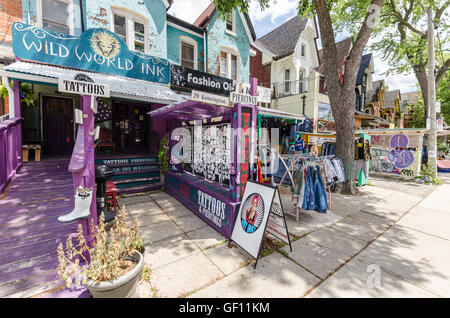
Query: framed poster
x=260, y=206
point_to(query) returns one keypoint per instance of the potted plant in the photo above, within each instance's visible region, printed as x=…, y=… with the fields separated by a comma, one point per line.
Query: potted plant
x=112, y=266
x=163, y=156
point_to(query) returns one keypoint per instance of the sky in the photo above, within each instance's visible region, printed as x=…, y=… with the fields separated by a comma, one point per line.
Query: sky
x=279, y=12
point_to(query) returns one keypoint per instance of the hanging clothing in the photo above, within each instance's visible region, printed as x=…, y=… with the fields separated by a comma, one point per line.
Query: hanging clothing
x=362, y=149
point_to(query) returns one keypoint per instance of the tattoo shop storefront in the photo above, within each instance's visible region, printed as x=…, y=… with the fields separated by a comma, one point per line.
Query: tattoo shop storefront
x=212, y=146
x=137, y=83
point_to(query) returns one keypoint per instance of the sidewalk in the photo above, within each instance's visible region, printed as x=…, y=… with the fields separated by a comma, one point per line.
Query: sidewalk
x=331, y=252
x=411, y=259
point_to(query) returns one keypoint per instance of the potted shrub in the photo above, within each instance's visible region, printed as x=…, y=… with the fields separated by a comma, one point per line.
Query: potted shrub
x=112, y=267
x=163, y=156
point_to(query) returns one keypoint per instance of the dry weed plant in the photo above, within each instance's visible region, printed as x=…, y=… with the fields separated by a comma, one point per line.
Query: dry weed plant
x=110, y=255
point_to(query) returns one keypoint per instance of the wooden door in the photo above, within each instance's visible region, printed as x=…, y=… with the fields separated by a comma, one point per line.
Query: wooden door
x=58, y=126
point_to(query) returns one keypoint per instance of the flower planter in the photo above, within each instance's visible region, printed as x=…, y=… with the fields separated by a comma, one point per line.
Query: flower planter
x=122, y=287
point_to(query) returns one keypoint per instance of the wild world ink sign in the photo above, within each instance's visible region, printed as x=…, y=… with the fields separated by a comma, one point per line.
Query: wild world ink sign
x=96, y=50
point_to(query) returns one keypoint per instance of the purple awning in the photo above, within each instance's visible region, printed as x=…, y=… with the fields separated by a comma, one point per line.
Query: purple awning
x=190, y=110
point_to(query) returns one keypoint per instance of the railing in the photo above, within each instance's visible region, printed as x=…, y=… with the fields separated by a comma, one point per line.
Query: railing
x=4, y=117
x=289, y=88
x=10, y=150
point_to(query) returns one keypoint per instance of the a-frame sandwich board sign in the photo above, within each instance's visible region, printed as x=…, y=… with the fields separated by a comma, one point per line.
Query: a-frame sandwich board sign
x=260, y=211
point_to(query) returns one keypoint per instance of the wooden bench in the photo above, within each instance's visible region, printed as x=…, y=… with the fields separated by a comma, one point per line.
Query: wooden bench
x=25, y=152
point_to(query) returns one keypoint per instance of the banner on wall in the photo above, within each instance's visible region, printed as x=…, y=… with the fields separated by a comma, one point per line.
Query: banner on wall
x=96, y=50
x=260, y=211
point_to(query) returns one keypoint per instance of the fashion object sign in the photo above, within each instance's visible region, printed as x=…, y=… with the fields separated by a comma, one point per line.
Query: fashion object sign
x=201, y=81
x=96, y=50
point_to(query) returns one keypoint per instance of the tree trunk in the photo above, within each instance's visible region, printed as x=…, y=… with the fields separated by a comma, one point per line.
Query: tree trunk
x=344, y=118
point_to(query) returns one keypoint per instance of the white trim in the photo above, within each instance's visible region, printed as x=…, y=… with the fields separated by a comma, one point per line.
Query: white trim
x=70, y=9
x=5, y=81
x=185, y=30
x=244, y=22
x=130, y=18
x=233, y=24
x=166, y=3
x=230, y=51
x=190, y=41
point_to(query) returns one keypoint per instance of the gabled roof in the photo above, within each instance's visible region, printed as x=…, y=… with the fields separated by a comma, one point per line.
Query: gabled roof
x=283, y=40
x=343, y=48
x=184, y=24
x=372, y=95
x=206, y=15
x=390, y=97
x=365, y=63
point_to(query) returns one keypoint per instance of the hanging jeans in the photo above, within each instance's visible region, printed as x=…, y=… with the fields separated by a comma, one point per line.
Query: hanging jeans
x=309, y=202
x=320, y=192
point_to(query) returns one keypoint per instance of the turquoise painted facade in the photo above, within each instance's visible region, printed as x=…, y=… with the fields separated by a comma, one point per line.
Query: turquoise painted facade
x=153, y=12
x=219, y=38
x=162, y=40
x=174, y=36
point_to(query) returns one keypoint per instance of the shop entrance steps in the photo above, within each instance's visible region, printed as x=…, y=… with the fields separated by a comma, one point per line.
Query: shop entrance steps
x=133, y=174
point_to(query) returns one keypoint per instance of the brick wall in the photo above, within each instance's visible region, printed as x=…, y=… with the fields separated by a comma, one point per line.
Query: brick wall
x=10, y=12
x=258, y=70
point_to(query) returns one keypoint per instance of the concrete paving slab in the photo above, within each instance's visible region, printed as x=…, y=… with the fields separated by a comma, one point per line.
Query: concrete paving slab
x=133, y=200
x=156, y=232
x=320, y=260
x=416, y=256
x=362, y=225
x=184, y=276
x=337, y=241
x=190, y=223
x=178, y=211
x=145, y=219
x=167, y=202
x=357, y=279
x=225, y=258
x=160, y=195
x=431, y=221
x=275, y=277
x=144, y=207
x=309, y=221
x=206, y=237
x=169, y=250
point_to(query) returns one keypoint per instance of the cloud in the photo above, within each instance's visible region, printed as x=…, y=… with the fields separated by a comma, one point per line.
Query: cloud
x=188, y=10
x=277, y=9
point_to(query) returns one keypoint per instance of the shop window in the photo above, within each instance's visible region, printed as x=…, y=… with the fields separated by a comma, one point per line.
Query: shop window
x=229, y=65
x=188, y=53
x=55, y=15
x=132, y=29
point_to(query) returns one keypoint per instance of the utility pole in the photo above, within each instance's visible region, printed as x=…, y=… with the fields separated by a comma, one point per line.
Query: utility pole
x=431, y=120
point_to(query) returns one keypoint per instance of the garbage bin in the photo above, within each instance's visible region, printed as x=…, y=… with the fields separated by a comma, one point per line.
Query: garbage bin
x=103, y=173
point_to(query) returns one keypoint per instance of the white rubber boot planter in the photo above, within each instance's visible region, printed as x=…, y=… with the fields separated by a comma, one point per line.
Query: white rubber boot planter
x=122, y=287
x=83, y=200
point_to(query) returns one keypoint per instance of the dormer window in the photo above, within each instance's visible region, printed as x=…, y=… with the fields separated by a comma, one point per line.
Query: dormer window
x=231, y=22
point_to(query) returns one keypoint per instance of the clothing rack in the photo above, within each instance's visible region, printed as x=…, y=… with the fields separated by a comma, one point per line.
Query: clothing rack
x=295, y=160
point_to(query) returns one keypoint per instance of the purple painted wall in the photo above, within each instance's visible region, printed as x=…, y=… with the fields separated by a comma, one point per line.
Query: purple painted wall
x=10, y=150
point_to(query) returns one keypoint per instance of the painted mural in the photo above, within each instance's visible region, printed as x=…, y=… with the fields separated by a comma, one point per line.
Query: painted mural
x=398, y=154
